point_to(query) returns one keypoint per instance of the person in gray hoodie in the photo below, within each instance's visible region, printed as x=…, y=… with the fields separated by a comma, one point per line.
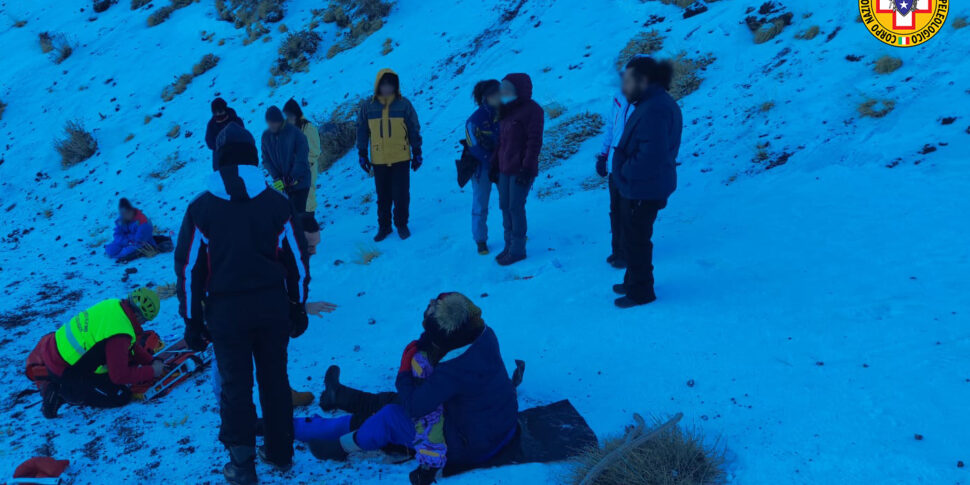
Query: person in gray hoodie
x=285, y=156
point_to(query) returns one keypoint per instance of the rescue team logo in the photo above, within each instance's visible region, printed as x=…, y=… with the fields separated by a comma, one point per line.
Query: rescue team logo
x=904, y=23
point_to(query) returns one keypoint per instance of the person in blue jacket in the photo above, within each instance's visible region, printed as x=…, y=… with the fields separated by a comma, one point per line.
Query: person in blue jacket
x=133, y=232
x=481, y=132
x=469, y=381
x=645, y=170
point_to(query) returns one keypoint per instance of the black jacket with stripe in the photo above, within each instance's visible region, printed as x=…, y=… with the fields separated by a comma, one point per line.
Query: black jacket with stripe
x=238, y=237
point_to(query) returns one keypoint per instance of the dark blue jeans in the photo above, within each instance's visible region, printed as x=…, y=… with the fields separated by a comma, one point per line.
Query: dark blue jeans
x=512, y=197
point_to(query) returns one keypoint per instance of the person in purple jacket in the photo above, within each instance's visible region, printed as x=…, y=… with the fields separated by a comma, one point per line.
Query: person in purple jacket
x=521, y=122
x=133, y=232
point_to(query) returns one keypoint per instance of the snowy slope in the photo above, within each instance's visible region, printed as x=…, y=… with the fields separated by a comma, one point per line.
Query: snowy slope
x=820, y=307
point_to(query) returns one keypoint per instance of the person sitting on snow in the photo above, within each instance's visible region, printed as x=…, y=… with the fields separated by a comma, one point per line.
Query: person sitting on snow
x=133, y=233
x=93, y=358
x=457, y=401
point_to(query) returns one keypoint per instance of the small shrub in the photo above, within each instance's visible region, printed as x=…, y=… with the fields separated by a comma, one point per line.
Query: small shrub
x=363, y=17
x=960, y=22
x=687, y=78
x=3, y=107
x=773, y=19
x=245, y=13
x=873, y=108
x=809, y=33
x=102, y=5
x=131, y=136
x=174, y=132
x=207, y=62
x=172, y=163
x=563, y=140
x=338, y=133
x=593, y=182
x=387, y=47
x=554, y=110
x=19, y=23
x=136, y=4
x=887, y=64
x=46, y=40
x=644, y=43
x=674, y=457
x=77, y=146
x=295, y=53
x=679, y=3
x=766, y=106
x=367, y=254
x=148, y=119
x=162, y=14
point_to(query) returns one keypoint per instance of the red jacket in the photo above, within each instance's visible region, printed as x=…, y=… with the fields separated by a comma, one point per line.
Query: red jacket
x=124, y=366
x=520, y=131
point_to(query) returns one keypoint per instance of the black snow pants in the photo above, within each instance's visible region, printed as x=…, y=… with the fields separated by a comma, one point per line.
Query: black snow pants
x=616, y=221
x=246, y=328
x=90, y=389
x=393, y=184
x=638, y=219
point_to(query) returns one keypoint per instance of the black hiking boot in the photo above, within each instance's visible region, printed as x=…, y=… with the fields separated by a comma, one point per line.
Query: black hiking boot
x=280, y=466
x=483, y=248
x=241, y=469
x=423, y=475
x=382, y=234
x=627, y=302
x=52, y=400
x=509, y=259
x=331, y=386
x=503, y=254
x=403, y=231
x=328, y=450
x=619, y=289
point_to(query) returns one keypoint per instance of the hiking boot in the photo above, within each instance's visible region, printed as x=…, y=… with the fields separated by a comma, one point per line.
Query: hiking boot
x=328, y=450
x=52, y=400
x=509, y=259
x=279, y=466
x=403, y=232
x=619, y=289
x=331, y=384
x=618, y=263
x=301, y=399
x=241, y=469
x=483, y=248
x=503, y=254
x=423, y=475
x=627, y=302
x=610, y=259
x=382, y=234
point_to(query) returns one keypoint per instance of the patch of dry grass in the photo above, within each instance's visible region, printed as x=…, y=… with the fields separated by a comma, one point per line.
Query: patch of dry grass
x=102, y=5
x=362, y=17
x=3, y=107
x=136, y=4
x=554, y=110
x=163, y=13
x=564, y=139
x=809, y=33
x=367, y=254
x=887, y=64
x=77, y=145
x=876, y=108
x=338, y=132
x=205, y=64
x=172, y=163
x=387, y=47
x=644, y=43
x=182, y=82
x=687, y=74
x=295, y=52
x=960, y=22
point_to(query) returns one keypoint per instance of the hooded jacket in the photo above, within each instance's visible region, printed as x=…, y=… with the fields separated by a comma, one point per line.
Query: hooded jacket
x=387, y=127
x=479, y=400
x=215, y=127
x=313, y=142
x=286, y=156
x=481, y=135
x=132, y=235
x=620, y=111
x=520, y=131
x=239, y=237
x=645, y=161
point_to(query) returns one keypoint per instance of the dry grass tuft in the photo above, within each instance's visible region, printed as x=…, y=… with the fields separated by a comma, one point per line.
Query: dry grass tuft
x=182, y=82
x=362, y=17
x=3, y=107
x=876, y=108
x=366, y=254
x=644, y=43
x=57, y=45
x=174, y=132
x=295, y=53
x=563, y=140
x=172, y=163
x=960, y=22
x=687, y=74
x=77, y=146
x=387, y=47
x=338, y=132
x=554, y=110
x=809, y=33
x=887, y=64
x=207, y=62
x=771, y=20
x=163, y=13
x=102, y=5
x=136, y=4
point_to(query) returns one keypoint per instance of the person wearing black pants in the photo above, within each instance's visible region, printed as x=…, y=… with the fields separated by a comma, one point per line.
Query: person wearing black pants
x=393, y=183
x=645, y=169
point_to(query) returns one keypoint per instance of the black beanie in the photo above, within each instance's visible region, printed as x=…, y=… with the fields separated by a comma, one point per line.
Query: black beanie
x=274, y=115
x=454, y=323
x=293, y=108
x=219, y=104
x=125, y=204
x=236, y=146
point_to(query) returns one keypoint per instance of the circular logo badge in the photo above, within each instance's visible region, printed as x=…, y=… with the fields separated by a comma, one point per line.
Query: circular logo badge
x=904, y=23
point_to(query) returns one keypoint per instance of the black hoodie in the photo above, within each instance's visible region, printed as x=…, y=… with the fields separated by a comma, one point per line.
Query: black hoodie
x=239, y=237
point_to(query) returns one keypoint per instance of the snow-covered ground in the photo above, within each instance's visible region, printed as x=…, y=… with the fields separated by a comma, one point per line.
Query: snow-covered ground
x=820, y=308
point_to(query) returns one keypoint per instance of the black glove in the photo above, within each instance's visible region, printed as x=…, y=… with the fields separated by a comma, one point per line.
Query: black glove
x=601, y=165
x=365, y=164
x=299, y=321
x=416, y=162
x=523, y=180
x=196, y=335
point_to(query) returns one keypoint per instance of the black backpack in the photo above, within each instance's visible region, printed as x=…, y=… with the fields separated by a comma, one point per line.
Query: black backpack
x=467, y=165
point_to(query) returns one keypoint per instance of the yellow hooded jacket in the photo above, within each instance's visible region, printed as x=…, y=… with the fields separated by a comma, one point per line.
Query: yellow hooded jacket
x=388, y=126
x=313, y=140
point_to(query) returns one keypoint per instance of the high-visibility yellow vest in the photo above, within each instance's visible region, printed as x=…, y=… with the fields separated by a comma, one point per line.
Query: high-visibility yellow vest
x=102, y=321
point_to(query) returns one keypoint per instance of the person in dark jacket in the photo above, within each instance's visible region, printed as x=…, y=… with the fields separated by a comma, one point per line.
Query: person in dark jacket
x=481, y=137
x=294, y=116
x=222, y=115
x=469, y=380
x=620, y=110
x=93, y=359
x=133, y=233
x=645, y=169
x=388, y=143
x=517, y=160
x=241, y=259
x=286, y=155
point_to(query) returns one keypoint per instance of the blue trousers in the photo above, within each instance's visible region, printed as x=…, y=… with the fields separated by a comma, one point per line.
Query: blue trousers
x=512, y=197
x=119, y=249
x=481, y=192
x=391, y=425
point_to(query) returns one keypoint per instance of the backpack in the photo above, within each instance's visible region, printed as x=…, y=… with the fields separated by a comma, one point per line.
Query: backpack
x=36, y=370
x=467, y=165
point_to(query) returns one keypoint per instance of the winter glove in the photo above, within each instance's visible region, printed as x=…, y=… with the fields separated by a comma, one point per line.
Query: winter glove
x=407, y=356
x=279, y=185
x=365, y=164
x=523, y=180
x=299, y=321
x=196, y=335
x=601, y=165
x=416, y=162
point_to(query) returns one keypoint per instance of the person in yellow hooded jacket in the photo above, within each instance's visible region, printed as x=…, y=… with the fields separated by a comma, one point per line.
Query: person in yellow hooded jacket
x=388, y=144
x=93, y=358
x=294, y=116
